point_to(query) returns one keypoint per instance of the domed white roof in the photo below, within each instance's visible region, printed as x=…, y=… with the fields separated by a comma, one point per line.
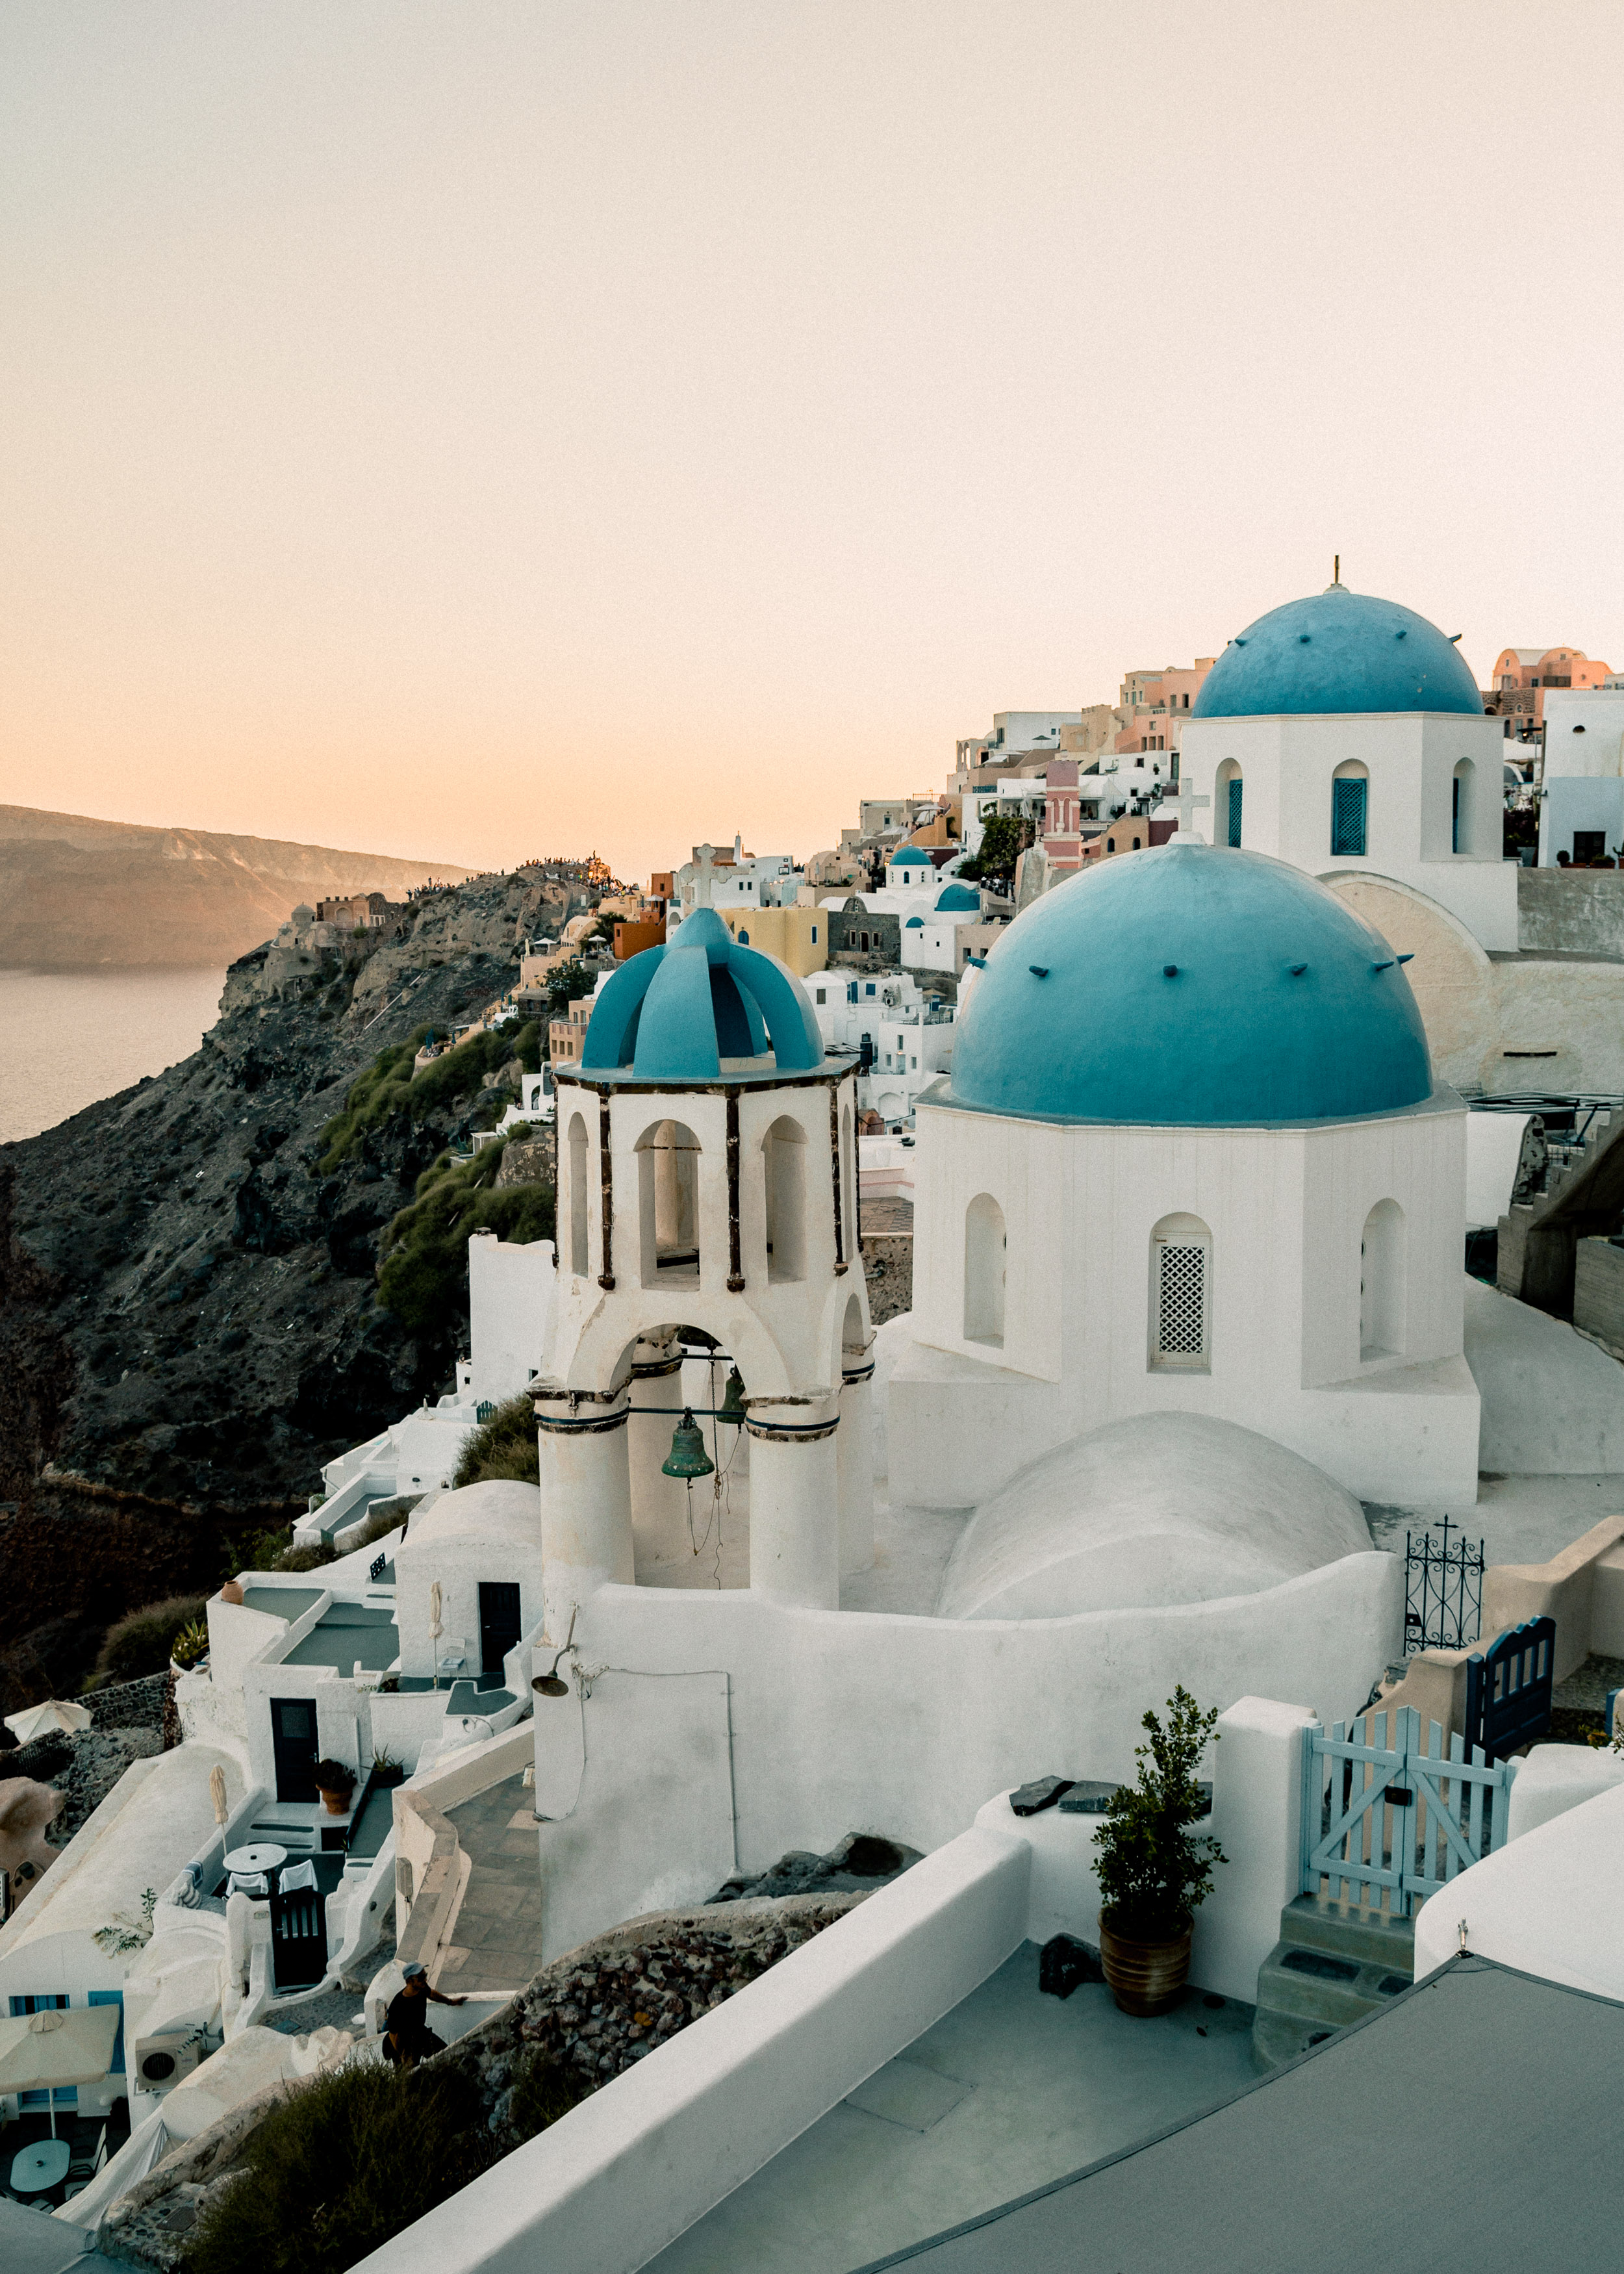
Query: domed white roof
x=1153, y=1510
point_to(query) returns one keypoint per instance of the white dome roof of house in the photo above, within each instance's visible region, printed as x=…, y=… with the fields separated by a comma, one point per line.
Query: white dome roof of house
x=1153, y=1510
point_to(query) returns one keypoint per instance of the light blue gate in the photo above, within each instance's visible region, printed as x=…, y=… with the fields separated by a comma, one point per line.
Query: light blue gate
x=1387, y=1818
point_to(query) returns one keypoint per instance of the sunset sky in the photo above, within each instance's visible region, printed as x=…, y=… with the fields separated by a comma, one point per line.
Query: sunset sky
x=477, y=430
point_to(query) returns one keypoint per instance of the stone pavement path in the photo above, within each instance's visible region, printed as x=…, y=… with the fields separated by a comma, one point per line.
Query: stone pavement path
x=496, y=1941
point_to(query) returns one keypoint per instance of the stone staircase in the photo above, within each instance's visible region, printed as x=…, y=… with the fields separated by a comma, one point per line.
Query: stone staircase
x=1334, y=1962
x=1572, y=1190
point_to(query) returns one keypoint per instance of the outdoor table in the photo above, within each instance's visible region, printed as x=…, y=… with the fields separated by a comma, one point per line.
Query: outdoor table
x=263, y=1855
x=43, y=2165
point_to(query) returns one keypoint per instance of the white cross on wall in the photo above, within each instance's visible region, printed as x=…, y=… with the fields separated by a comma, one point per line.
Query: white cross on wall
x=1186, y=801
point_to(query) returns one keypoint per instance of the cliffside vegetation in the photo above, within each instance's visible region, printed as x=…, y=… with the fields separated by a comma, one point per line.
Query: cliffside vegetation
x=425, y=1248
x=503, y=1446
x=389, y=1086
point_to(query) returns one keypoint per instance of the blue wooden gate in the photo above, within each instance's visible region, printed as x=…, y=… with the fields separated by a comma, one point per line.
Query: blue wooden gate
x=1389, y=1818
x=1508, y=1689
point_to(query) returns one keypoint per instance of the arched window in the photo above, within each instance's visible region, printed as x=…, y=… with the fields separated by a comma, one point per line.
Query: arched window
x=848, y=1188
x=783, y=1148
x=1227, y=804
x=1460, y=808
x=1349, y=807
x=1382, y=1283
x=668, y=1202
x=1181, y=1296
x=577, y=1197
x=985, y=1246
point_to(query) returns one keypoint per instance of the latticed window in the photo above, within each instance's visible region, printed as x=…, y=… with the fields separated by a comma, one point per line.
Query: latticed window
x=1348, y=798
x=1181, y=1323
x=1235, y=809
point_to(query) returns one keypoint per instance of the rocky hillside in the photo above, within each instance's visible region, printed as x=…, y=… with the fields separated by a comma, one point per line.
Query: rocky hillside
x=189, y=1313
x=77, y=894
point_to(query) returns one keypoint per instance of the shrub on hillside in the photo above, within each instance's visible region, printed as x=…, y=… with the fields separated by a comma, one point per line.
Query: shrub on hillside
x=505, y=1446
x=344, y=2164
x=140, y=1642
x=389, y=1086
x=424, y=1279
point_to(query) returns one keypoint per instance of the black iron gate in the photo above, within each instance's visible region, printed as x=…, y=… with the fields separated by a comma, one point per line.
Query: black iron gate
x=1443, y=1590
x=298, y=1937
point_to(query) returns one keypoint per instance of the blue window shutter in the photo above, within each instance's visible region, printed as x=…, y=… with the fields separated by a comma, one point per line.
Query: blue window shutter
x=116, y=2066
x=1348, y=809
x=1235, y=809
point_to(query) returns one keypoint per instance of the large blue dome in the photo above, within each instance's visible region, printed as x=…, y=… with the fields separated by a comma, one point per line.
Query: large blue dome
x=1337, y=652
x=1190, y=985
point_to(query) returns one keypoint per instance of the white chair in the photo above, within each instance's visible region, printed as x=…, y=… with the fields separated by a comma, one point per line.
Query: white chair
x=298, y=1875
x=247, y=1883
x=452, y=1658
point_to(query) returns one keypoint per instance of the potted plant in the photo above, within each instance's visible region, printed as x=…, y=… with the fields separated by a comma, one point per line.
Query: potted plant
x=388, y=1771
x=334, y=1781
x=1152, y=1871
x=190, y=1647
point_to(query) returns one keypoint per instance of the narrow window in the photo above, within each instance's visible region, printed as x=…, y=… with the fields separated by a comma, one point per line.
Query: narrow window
x=1181, y=1252
x=785, y=1151
x=985, y=1249
x=1349, y=801
x=577, y=1197
x=1235, y=809
x=1382, y=1283
x=668, y=1202
x=1460, y=808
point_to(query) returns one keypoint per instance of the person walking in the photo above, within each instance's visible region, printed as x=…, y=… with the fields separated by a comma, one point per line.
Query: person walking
x=407, y=2036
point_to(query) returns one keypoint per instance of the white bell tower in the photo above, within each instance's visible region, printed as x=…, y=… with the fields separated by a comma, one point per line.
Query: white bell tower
x=707, y=1180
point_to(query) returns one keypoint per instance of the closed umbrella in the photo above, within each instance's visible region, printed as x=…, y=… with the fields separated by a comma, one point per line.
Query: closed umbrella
x=435, y=1629
x=217, y=1792
x=45, y=2053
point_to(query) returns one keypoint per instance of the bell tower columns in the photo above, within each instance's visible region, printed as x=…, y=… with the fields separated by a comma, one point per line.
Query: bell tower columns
x=794, y=1508
x=586, y=1505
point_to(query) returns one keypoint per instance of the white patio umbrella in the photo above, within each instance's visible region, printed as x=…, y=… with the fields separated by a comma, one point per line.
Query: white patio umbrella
x=435, y=1629
x=52, y=1714
x=45, y=2053
x=217, y=1792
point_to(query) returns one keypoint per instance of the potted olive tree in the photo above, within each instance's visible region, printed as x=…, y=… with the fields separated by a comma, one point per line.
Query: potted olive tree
x=1153, y=1871
x=335, y=1780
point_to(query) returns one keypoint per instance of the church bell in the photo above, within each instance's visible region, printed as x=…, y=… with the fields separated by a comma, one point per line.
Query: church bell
x=733, y=1399
x=688, y=1458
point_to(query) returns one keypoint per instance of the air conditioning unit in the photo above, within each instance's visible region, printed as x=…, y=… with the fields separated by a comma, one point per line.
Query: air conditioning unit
x=160, y=2062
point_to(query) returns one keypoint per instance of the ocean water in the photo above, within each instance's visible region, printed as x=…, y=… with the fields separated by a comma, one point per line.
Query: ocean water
x=69, y=1038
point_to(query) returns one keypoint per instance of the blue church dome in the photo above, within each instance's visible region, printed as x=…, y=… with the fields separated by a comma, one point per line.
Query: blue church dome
x=702, y=1004
x=958, y=897
x=1190, y=985
x=910, y=856
x=1337, y=650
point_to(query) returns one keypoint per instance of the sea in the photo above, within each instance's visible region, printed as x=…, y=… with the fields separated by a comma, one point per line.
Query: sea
x=69, y=1038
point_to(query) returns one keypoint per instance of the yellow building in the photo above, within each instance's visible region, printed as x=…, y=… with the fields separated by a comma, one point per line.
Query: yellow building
x=797, y=936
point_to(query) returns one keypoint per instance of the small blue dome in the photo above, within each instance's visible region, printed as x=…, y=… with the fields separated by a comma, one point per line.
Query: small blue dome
x=913, y=921
x=1190, y=985
x=1337, y=650
x=677, y=1013
x=910, y=856
x=958, y=897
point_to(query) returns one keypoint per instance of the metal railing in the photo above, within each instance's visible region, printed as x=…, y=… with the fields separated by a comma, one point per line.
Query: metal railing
x=1443, y=1591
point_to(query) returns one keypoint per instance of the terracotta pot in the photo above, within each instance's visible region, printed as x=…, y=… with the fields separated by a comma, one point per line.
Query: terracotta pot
x=231, y=1591
x=336, y=1803
x=1144, y=1978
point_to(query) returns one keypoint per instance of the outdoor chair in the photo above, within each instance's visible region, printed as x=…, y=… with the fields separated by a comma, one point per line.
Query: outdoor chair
x=452, y=1658
x=247, y=1883
x=83, y=2166
x=298, y=1875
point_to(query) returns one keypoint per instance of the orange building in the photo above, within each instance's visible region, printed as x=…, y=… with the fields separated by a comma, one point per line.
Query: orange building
x=631, y=938
x=1520, y=676
x=1154, y=704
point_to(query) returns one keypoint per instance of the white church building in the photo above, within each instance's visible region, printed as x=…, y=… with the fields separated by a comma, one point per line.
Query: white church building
x=1346, y=735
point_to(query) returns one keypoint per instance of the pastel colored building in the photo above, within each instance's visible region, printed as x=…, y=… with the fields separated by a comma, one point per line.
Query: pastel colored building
x=1522, y=675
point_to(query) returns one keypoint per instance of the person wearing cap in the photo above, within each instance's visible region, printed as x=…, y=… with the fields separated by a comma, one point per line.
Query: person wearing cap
x=407, y=2036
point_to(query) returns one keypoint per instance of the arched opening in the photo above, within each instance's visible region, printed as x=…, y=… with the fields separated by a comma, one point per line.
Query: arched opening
x=1382, y=1283
x=986, y=1243
x=1350, y=808
x=784, y=1150
x=577, y=1197
x=1181, y=1296
x=1461, y=807
x=668, y=1202
x=848, y=1186
x=1227, y=804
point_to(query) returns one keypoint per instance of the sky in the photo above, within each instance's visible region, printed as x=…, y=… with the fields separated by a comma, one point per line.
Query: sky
x=478, y=430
